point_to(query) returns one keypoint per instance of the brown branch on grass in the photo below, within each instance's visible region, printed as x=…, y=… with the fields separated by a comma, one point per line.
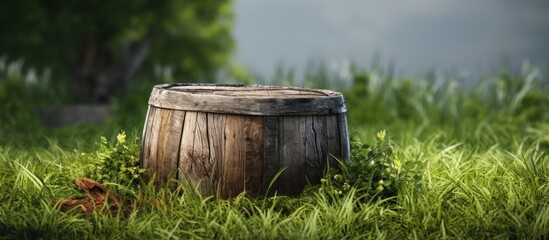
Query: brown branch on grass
x=101, y=199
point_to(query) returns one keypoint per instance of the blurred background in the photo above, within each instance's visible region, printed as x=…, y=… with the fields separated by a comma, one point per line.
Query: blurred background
x=466, y=38
x=88, y=66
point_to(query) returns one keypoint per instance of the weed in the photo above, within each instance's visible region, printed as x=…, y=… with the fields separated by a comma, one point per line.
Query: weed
x=115, y=163
x=373, y=171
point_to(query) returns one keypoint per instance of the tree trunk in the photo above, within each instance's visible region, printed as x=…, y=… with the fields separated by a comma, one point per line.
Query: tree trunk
x=98, y=73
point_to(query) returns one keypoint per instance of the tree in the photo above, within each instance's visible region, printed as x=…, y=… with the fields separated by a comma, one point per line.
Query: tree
x=99, y=45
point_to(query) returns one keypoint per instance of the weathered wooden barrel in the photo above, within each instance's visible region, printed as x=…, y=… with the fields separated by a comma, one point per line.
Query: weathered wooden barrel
x=235, y=138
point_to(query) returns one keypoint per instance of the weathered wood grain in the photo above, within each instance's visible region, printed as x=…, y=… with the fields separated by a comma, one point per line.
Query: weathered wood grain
x=216, y=137
x=144, y=135
x=344, y=136
x=162, y=118
x=293, y=154
x=253, y=137
x=231, y=139
x=262, y=101
x=316, y=148
x=232, y=172
x=271, y=154
x=150, y=142
x=172, y=127
x=194, y=149
x=333, y=140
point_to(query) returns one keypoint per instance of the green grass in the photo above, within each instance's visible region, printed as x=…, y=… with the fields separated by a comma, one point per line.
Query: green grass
x=486, y=173
x=468, y=191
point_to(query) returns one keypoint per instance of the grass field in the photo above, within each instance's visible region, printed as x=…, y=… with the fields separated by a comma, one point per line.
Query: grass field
x=484, y=172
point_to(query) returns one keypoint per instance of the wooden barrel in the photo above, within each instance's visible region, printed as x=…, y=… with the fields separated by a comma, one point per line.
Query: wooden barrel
x=235, y=138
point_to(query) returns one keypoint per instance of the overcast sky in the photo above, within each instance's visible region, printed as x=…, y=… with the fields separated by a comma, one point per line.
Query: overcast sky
x=459, y=36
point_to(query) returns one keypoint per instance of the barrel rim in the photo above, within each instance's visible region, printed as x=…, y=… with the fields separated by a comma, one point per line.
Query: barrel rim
x=324, y=92
x=308, y=102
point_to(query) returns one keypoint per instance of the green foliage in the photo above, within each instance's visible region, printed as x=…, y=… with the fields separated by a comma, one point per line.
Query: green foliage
x=95, y=47
x=373, y=171
x=22, y=93
x=118, y=163
x=375, y=96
